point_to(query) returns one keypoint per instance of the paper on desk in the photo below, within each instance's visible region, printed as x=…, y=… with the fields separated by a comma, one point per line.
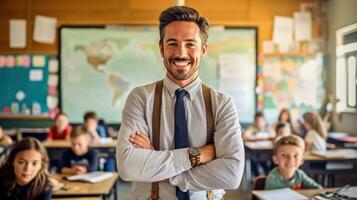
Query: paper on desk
x=280, y=194
x=302, y=26
x=45, y=29
x=17, y=33
x=283, y=30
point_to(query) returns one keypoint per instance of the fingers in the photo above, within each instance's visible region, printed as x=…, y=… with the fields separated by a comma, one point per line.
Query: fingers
x=140, y=140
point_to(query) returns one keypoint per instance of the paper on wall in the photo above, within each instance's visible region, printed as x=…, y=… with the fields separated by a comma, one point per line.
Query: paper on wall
x=233, y=66
x=302, y=25
x=36, y=75
x=53, y=66
x=53, y=80
x=283, y=30
x=38, y=61
x=17, y=33
x=45, y=29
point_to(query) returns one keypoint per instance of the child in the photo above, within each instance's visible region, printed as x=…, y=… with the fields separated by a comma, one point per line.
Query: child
x=282, y=130
x=316, y=135
x=91, y=126
x=288, y=156
x=285, y=117
x=61, y=130
x=259, y=126
x=5, y=140
x=24, y=174
x=79, y=159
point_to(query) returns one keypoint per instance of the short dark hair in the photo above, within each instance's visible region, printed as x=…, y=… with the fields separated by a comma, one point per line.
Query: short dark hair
x=90, y=115
x=258, y=114
x=183, y=13
x=280, y=126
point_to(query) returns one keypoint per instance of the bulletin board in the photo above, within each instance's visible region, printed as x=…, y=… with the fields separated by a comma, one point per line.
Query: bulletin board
x=101, y=65
x=23, y=84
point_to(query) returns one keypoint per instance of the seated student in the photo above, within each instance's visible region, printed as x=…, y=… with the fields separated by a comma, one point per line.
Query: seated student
x=259, y=126
x=5, y=140
x=24, y=175
x=288, y=156
x=285, y=117
x=61, y=130
x=92, y=127
x=316, y=135
x=79, y=159
x=282, y=130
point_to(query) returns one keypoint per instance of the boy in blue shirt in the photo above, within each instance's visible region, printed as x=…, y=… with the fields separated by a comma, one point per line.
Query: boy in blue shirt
x=288, y=156
x=92, y=127
x=79, y=159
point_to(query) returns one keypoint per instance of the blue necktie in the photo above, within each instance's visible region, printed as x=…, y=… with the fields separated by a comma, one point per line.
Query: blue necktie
x=181, y=133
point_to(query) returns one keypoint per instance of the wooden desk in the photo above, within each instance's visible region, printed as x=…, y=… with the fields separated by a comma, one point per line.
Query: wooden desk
x=84, y=189
x=306, y=192
x=58, y=144
x=78, y=198
x=56, y=148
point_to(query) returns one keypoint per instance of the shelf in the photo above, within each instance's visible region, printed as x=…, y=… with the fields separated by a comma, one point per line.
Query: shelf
x=24, y=117
x=290, y=54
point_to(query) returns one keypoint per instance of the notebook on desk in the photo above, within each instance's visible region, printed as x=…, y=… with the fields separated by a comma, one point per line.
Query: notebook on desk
x=279, y=194
x=92, y=177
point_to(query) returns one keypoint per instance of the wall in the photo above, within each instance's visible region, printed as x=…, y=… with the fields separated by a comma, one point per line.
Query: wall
x=258, y=13
x=340, y=14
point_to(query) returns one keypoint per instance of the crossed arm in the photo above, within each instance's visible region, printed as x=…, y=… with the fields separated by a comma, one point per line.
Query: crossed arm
x=137, y=161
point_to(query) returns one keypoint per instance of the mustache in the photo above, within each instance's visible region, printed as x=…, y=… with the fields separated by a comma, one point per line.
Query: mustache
x=178, y=59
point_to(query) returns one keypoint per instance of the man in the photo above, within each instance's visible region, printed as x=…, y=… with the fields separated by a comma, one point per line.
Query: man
x=183, y=172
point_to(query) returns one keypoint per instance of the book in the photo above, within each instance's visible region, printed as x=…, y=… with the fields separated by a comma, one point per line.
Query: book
x=92, y=177
x=279, y=194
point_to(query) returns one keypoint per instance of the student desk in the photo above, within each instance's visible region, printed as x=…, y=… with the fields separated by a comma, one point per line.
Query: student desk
x=313, y=164
x=78, y=198
x=56, y=148
x=306, y=192
x=84, y=189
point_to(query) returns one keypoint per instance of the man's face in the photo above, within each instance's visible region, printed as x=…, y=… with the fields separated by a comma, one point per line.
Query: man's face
x=182, y=51
x=288, y=158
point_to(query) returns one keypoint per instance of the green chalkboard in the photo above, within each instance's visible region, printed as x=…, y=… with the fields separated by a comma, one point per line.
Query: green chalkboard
x=23, y=84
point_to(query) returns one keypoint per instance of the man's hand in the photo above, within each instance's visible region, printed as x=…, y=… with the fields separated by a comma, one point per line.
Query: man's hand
x=140, y=140
x=208, y=153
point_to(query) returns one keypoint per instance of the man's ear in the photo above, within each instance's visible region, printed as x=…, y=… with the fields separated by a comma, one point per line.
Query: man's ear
x=275, y=159
x=204, y=49
x=161, y=48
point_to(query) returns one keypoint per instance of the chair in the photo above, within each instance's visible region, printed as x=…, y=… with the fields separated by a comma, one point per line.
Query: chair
x=259, y=183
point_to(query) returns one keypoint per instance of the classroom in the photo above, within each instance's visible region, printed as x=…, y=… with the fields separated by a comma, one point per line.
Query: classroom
x=178, y=99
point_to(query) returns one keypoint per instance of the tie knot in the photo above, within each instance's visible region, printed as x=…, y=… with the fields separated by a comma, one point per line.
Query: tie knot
x=180, y=93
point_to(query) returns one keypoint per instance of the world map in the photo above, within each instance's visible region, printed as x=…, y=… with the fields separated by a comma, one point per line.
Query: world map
x=99, y=67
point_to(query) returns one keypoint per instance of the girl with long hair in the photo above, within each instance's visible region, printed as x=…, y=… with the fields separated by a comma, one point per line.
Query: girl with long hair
x=24, y=175
x=316, y=136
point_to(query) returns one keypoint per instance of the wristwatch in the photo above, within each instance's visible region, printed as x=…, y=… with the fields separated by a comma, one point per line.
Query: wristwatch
x=194, y=155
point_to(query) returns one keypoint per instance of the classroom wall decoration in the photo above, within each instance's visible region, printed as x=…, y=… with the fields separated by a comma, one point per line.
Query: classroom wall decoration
x=26, y=85
x=100, y=66
x=294, y=82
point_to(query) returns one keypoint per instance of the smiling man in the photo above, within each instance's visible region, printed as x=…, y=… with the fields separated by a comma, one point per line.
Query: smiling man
x=180, y=139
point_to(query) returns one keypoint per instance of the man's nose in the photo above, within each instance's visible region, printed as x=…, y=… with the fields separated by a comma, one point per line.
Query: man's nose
x=182, y=51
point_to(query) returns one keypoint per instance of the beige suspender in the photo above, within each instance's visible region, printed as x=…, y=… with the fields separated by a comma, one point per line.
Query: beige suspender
x=156, y=118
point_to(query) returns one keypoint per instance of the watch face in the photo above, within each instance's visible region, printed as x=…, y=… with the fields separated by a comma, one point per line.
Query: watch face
x=194, y=151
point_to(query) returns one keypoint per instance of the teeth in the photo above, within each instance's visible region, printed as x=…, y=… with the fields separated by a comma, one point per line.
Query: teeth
x=181, y=63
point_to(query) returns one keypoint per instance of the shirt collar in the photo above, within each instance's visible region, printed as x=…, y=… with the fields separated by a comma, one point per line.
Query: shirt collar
x=191, y=88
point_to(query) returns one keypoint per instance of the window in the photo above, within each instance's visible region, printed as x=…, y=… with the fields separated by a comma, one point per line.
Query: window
x=346, y=72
